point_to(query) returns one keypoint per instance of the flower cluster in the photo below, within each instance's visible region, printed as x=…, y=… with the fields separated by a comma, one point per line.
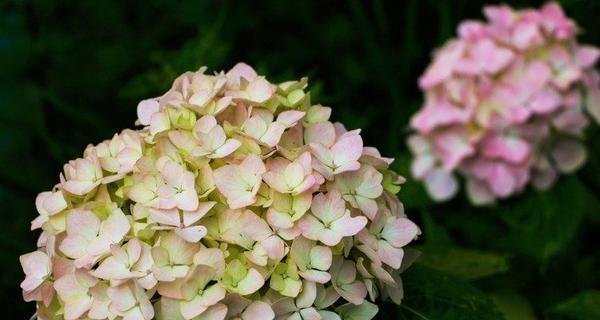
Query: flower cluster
x=506, y=104
x=238, y=199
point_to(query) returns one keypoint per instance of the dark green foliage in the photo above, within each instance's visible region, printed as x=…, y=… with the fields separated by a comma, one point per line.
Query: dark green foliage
x=464, y=263
x=72, y=72
x=584, y=305
x=430, y=294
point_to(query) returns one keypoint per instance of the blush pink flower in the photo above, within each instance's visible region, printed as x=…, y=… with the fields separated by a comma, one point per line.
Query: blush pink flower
x=74, y=290
x=82, y=175
x=130, y=301
x=173, y=257
x=120, y=154
x=89, y=238
x=329, y=220
x=213, y=142
x=293, y=177
x=506, y=105
x=299, y=308
x=261, y=126
x=38, y=269
x=237, y=198
x=312, y=260
x=131, y=261
x=172, y=187
x=344, y=280
x=340, y=157
x=240, y=183
x=240, y=308
x=287, y=209
x=361, y=188
x=199, y=292
x=183, y=223
x=386, y=236
x=48, y=204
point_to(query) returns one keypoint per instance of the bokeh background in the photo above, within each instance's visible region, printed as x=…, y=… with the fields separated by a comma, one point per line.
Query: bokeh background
x=72, y=72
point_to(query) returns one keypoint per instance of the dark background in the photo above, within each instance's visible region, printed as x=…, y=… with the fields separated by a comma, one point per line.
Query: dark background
x=72, y=72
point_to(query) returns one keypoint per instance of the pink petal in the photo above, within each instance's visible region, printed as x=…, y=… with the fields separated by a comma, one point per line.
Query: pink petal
x=354, y=293
x=226, y=149
x=329, y=237
x=490, y=57
x=145, y=110
x=328, y=207
x=311, y=227
x=501, y=180
x=569, y=155
x=349, y=226
x=441, y=184
x=315, y=276
x=274, y=246
x=367, y=206
x=512, y=149
x=545, y=101
x=320, y=257
x=240, y=70
x=400, y=232
x=258, y=310
x=192, y=234
x=165, y=217
x=348, y=149
x=111, y=268
x=443, y=64
x=35, y=264
x=438, y=114
x=84, y=223
x=273, y=134
x=279, y=219
x=586, y=56
x=216, y=312
x=290, y=118
x=390, y=255
x=260, y=90
x=321, y=132
x=251, y=283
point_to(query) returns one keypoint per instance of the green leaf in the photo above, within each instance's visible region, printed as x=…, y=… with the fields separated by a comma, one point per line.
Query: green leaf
x=434, y=233
x=431, y=294
x=513, y=305
x=548, y=221
x=584, y=306
x=364, y=311
x=463, y=263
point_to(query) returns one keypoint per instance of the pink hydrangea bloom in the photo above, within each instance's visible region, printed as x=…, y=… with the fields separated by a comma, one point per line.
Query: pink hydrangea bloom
x=506, y=105
x=235, y=199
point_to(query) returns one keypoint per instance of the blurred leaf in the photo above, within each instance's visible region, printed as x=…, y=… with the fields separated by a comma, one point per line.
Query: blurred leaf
x=434, y=234
x=513, y=305
x=463, y=263
x=583, y=306
x=431, y=294
x=543, y=224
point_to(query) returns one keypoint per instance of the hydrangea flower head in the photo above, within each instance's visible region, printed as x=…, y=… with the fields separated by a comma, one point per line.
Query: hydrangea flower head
x=506, y=105
x=236, y=198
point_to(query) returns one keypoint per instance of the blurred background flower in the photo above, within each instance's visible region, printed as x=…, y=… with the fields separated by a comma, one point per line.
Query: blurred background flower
x=507, y=104
x=72, y=73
